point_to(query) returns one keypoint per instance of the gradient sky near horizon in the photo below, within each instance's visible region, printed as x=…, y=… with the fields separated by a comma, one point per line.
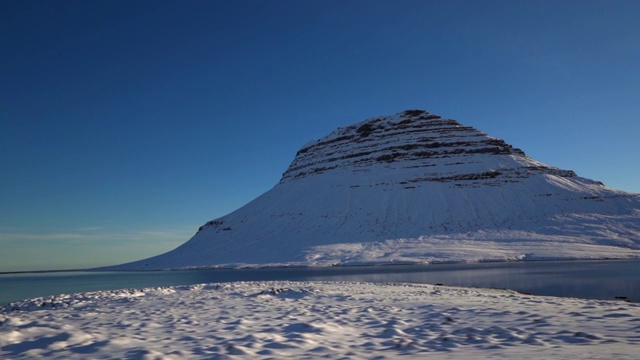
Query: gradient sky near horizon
x=125, y=125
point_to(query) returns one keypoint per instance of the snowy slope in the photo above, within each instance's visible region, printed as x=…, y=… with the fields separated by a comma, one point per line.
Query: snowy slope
x=415, y=187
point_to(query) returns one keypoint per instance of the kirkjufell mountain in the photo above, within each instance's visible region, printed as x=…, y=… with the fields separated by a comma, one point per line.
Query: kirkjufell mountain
x=415, y=188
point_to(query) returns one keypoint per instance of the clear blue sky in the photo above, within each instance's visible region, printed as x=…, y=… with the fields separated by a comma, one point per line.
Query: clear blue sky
x=125, y=125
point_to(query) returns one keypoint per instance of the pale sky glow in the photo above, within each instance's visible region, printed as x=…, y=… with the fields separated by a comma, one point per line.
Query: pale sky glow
x=126, y=125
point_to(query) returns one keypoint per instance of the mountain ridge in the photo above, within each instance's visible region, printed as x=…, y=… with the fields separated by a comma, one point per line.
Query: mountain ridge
x=415, y=188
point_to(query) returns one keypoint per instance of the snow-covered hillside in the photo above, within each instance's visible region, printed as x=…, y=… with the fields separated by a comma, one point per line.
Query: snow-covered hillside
x=415, y=188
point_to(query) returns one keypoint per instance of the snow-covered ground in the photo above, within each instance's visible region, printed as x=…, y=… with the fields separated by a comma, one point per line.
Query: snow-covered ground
x=318, y=320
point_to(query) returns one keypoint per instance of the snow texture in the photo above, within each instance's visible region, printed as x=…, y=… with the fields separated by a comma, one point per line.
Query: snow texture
x=305, y=320
x=415, y=188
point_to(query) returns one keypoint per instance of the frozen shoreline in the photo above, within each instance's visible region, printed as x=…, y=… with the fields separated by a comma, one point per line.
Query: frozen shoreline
x=624, y=255
x=318, y=319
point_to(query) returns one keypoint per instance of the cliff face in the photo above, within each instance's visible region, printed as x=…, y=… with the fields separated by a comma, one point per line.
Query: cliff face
x=414, y=187
x=443, y=150
x=412, y=139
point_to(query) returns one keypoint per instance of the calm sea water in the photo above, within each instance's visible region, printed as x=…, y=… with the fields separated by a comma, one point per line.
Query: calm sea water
x=587, y=279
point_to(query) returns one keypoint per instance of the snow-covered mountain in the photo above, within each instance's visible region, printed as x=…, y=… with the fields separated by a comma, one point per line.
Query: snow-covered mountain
x=415, y=188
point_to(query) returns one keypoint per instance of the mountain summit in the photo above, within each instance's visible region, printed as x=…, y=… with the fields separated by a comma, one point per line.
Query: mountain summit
x=415, y=188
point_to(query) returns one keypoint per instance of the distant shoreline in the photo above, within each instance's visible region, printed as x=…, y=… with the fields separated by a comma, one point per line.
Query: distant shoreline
x=40, y=271
x=257, y=267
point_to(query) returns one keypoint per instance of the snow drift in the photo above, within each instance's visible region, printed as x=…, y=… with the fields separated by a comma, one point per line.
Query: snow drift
x=415, y=188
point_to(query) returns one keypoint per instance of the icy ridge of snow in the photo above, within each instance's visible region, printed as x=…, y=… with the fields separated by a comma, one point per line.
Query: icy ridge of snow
x=415, y=188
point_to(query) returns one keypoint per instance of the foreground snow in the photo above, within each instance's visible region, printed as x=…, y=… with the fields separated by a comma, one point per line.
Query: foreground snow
x=318, y=319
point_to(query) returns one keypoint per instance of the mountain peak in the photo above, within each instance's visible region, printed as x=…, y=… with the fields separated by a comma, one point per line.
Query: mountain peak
x=412, y=139
x=415, y=188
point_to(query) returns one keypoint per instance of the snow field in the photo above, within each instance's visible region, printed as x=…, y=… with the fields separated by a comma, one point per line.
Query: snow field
x=318, y=320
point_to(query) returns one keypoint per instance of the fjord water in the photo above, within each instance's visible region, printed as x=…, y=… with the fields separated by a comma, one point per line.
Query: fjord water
x=598, y=279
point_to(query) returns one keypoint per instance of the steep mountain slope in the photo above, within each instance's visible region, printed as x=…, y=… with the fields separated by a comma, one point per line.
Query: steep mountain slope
x=415, y=187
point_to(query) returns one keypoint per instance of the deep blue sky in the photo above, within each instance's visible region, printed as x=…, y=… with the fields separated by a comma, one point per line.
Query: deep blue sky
x=124, y=125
